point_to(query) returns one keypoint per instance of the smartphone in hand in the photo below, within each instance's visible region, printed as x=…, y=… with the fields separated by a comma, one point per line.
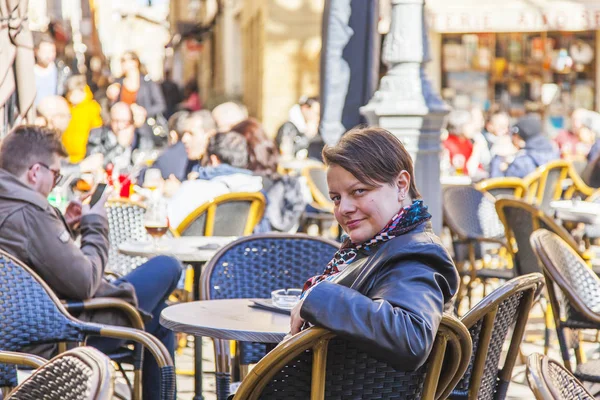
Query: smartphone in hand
x=97, y=194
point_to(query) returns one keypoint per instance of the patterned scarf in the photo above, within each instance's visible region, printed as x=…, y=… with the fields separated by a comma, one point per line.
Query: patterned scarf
x=407, y=219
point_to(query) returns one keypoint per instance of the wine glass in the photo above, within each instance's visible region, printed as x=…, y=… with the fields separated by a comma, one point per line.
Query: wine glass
x=152, y=178
x=156, y=221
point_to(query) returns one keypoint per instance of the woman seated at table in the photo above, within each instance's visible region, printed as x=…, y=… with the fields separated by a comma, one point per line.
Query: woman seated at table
x=388, y=284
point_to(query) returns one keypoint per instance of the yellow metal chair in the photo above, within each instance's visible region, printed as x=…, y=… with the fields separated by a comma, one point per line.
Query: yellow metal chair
x=545, y=184
x=316, y=179
x=232, y=214
x=509, y=186
x=317, y=364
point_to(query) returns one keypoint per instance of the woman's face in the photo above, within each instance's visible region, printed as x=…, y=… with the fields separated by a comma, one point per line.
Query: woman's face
x=364, y=210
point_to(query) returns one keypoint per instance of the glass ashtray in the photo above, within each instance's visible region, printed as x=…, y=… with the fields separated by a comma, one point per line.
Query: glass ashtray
x=286, y=298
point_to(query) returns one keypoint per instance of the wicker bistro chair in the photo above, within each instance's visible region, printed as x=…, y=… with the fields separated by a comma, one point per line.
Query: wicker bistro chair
x=31, y=314
x=232, y=214
x=317, y=364
x=549, y=380
x=252, y=267
x=83, y=373
x=544, y=185
x=496, y=187
x=475, y=227
x=125, y=223
x=574, y=292
x=489, y=323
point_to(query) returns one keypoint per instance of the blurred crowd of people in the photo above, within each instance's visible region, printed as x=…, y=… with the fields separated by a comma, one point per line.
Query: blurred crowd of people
x=120, y=127
x=493, y=146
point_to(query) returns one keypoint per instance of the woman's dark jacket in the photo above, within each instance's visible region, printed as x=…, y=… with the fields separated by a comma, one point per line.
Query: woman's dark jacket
x=392, y=302
x=149, y=96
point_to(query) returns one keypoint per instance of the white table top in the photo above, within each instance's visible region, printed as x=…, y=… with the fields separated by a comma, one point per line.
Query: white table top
x=456, y=180
x=577, y=211
x=298, y=165
x=226, y=319
x=186, y=249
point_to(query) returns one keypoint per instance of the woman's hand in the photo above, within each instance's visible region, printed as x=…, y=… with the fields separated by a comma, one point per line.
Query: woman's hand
x=296, y=321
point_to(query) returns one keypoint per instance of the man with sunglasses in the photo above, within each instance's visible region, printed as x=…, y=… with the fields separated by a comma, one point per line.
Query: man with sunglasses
x=37, y=234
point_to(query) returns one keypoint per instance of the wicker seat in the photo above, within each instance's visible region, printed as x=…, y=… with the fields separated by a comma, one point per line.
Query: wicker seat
x=125, y=223
x=83, y=373
x=475, y=227
x=489, y=323
x=551, y=381
x=574, y=292
x=252, y=267
x=232, y=214
x=318, y=364
x=31, y=314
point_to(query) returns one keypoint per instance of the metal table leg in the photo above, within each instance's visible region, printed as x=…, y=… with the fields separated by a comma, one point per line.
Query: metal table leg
x=198, y=339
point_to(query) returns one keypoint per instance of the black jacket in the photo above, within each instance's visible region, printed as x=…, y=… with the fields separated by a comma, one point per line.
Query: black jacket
x=150, y=97
x=391, y=299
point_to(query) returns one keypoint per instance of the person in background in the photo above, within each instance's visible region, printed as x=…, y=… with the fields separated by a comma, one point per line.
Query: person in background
x=535, y=149
x=174, y=160
x=295, y=135
x=198, y=128
x=50, y=76
x=480, y=159
x=389, y=283
x=575, y=144
x=171, y=93
x=37, y=234
x=226, y=173
x=53, y=112
x=458, y=146
x=284, y=193
x=226, y=115
x=85, y=116
x=498, y=135
x=142, y=94
x=191, y=96
x=116, y=141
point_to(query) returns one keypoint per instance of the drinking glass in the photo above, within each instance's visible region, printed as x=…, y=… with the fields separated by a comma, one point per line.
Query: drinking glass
x=156, y=221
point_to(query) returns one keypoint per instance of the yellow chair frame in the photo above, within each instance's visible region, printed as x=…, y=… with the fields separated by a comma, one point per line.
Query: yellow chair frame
x=452, y=340
x=489, y=185
x=257, y=209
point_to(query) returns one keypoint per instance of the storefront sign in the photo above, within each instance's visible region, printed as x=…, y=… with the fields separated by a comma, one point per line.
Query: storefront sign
x=446, y=18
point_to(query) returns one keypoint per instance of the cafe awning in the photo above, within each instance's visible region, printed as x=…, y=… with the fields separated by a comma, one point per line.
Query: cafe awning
x=448, y=16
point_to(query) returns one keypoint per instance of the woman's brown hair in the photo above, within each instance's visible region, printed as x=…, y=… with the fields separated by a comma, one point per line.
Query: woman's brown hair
x=263, y=154
x=373, y=156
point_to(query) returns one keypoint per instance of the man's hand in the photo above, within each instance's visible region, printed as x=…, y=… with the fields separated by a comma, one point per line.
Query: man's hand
x=171, y=186
x=296, y=321
x=73, y=213
x=92, y=163
x=139, y=115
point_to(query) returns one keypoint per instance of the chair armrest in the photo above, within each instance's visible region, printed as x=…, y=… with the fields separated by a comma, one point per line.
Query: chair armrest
x=108, y=303
x=30, y=360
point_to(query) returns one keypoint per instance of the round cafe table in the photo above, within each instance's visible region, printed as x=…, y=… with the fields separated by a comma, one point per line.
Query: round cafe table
x=231, y=319
x=195, y=250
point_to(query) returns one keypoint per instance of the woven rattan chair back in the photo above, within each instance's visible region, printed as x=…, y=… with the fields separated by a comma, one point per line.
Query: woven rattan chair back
x=549, y=380
x=232, y=214
x=254, y=266
x=470, y=214
x=125, y=223
x=318, y=364
x=29, y=314
x=520, y=219
x=502, y=187
x=83, y=373
x=316, y=178
x=544, y=185
x=489, y=323
x=573, y=290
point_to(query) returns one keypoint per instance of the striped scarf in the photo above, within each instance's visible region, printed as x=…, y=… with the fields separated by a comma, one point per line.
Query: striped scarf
x=407, y=219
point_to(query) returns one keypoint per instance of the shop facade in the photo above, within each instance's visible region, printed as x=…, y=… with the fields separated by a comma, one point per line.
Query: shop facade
x=517, y=55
